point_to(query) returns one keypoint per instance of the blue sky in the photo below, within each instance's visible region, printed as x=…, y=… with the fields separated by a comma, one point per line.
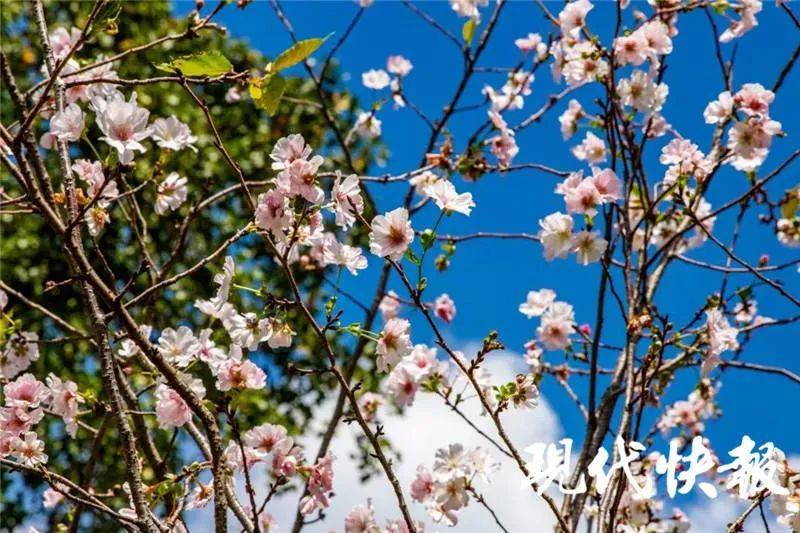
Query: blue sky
x=488, y=279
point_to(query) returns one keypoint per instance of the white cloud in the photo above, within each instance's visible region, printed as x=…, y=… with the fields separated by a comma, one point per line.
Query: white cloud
x=426, y=426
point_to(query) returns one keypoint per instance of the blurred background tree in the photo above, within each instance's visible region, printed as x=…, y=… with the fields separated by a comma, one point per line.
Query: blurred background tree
x=31, y=260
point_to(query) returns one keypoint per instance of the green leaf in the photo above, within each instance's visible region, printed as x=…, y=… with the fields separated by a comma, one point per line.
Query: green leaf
x=413, y=258
x=427, y=238
x=211, y=63
x=422, y=285
x=468, y=30
x=267, y=92
x=297, y=53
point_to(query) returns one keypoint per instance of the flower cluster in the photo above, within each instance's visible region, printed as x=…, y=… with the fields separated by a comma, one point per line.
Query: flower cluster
x=25, y=401
x=447, y=487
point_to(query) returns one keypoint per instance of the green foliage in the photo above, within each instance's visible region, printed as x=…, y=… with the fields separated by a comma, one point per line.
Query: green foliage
x=209, y=63
x=296, y=53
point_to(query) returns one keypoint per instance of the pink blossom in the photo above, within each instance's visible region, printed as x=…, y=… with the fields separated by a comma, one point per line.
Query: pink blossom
x=588, y=246
x=273, y=212
x=720, y=109
x=171, y=193
x=320, y=483
x=391, y=234
x=583, y=199
x=299, y=178
x=237, y=374
x=172, y=134
x=91, y=172
x=558, y=323
x=62, y=41
x=403, y=386
x=398, y=65
x=29, y=449
x=370, y=402
x=556, y=235
x=423, y=485
x=421, y=362
x=367, y=125
x=445, y=308
x=607, y=184
x=375, y=79
x=64, y=400
x=657, y=35
x=754, y=99
x=171, y=409
x=389, y=305
x=592, y=149
x=68, y=125
x=16, y=420
x=394, y=343
x=569, y=119
x=248, y=330
x=336, y=253
x=631, y=49
x=289, y=149
x=286, y=458
x=721, y=338
x=266, y=437
x=347, y=200
x=26, y=392
x=573, y=17
x=537, y=302
x=124, y=124
x=361, y=519
x=51, y=498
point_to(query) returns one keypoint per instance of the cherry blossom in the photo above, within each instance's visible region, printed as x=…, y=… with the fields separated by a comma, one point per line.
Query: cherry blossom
x=592, y=149
x=248, y=330
x=443, y=192
x=29, y=449
x=235, y=373
x=722, y=337
x=347, y=200
x=588, y=246
x=394, y=343
x=62, y=41
x=468, y=8
x=569, y=119
x=179, y=346
x=537, y=302
x=171, y=409
x=403, y=386
x=573, y=17
x=361, y=519
x=399, y=65
x=68, y=125
x=273, y=212
x=558, y=323
x=556, y=235
x=124, y=124
x=391, y=234
x=375, y=79
x=720, y=109
x=336, y=253
x=532, y=43
x=172, y=134
x=287, y=150
x=444, y=308
x=389, y=305
x=320, y=483
x=367, y=125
